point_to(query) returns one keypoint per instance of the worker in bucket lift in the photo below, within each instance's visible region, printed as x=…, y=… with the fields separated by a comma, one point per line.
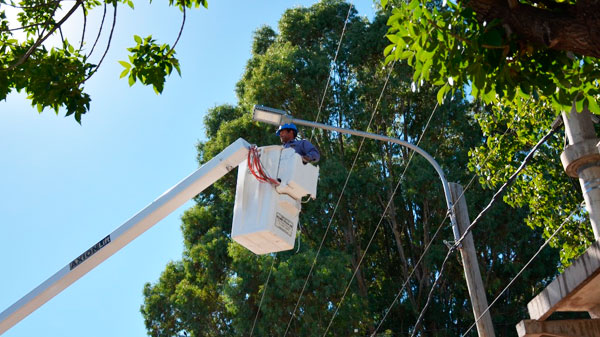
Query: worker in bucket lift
x=288, y=133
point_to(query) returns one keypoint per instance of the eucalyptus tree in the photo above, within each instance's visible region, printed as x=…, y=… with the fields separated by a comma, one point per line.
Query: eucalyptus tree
x=220, y=288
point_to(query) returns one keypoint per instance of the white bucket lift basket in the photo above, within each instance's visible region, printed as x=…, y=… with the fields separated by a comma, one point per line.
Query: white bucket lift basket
x=265, y=218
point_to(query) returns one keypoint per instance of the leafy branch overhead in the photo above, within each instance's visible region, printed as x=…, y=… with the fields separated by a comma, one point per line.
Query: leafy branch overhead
x=505, y=51
x=150, y=63
x=54, y=76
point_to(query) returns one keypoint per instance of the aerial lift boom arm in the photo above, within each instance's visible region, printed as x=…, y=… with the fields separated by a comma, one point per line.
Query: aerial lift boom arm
x=169, y=201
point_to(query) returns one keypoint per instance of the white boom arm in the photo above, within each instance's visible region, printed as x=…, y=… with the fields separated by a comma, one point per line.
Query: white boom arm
x=169, y=201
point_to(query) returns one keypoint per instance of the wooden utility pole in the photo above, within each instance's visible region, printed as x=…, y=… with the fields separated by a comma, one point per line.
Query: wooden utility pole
x=485, y=328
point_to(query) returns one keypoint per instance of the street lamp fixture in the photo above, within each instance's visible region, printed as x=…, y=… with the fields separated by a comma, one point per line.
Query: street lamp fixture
x=278, y=117
x=269, y=115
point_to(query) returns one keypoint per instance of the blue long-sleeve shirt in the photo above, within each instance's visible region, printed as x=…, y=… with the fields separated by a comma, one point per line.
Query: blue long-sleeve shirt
x=304, y=148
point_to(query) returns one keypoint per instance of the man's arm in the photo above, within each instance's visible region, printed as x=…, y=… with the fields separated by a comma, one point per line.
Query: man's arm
x=311, y=153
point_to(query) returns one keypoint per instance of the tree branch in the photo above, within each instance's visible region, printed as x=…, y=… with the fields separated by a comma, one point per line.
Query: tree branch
x=574, y=28
x=180, y=32
x=31, y=49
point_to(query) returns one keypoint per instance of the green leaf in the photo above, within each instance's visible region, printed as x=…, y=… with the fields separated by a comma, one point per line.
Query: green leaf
x=427, y=67
x=125, y=64
x=137, y=39
x=393, y=38
x=579, y=104
x=406, y=54
x=441, y=93
x=124, y=73
x=489, y=96
x=389, y=59
x=388, y=50
x=413, y=4
x=593, y=106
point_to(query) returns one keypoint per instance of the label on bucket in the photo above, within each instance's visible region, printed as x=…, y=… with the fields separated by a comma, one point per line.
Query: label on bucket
x=284, y=224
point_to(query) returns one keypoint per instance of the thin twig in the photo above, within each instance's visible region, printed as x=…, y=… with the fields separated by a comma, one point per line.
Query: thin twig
x=99, y=31
x=84, y=25
x=180, y=32
x=23, y=27
x=62, y=38
x=112, y=29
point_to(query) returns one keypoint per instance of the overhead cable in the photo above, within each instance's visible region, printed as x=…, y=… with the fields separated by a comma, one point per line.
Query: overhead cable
x=510, y=180
x=391, y=199
x=338, y=201
x=263, y=294
x=389, y=308
x=508, y=128
x=334, y=62
x=524, y=267
x=321, y=104
x=499, y=193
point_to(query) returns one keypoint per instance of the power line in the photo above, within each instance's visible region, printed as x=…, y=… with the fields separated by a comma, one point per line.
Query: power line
x=409, y=276
x=510, y=180
x=339, y=199
x=437, y=279
x=263, y=294
x=524, y=267
x=500, y=191
x=377, y=228
x=316, y=119
x=488, y=157
x=380, y=221
x=334, y=61
x=387, y=311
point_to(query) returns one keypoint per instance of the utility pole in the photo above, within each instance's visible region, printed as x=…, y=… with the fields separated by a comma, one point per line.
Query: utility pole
x=485, y=328
x=581, y=159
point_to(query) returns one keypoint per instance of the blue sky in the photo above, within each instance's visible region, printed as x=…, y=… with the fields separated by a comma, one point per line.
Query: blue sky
x=65, y=186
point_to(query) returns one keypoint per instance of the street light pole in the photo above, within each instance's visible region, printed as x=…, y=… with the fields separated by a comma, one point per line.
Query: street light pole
x=485, y=327
x=279, y=117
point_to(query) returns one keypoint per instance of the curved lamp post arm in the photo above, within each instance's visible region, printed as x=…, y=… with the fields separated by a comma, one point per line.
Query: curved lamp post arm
x=279, y=117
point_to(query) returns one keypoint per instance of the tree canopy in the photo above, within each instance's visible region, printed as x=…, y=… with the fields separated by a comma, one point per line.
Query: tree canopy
x=523, y=62
x=506, y=51
x=218, y=286
x=54, y=76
